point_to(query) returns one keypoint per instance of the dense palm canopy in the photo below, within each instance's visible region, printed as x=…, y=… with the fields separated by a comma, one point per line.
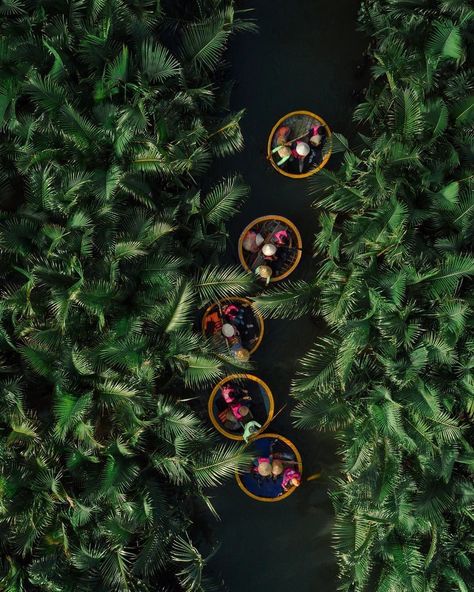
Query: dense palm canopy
x=394, y=374
x=109, y=112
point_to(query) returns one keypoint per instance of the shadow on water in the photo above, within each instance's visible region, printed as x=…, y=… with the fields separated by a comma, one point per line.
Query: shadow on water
x=304, y=57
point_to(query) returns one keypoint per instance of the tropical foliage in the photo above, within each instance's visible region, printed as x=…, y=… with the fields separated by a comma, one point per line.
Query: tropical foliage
x=109, y=113
x=394, y=374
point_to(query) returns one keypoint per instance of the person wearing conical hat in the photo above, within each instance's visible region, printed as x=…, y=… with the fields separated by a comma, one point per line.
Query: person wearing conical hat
x=291, y=478
x=250, y=429
x=269, y=252
x=252, y=241
x=317, y=138
x=302, y=149
x=284, y=152
x=265, y=272
x=316, y=134
x=264, y=466
x=240, y=352
x=228, y=330
x=300, y=152
x=228, y=393
x=277, y=468
x=282, y=134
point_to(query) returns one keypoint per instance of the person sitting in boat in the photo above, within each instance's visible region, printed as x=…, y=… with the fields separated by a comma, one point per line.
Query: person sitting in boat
x=231, y=311
x=316, y=135
x=250, y=428
x=269, y=252
x=265, y=272
x=262, y=467
x=282, y=134
x=300, y=152
x=252, y=241
x=240, y=352
x=237, y=416
x=229, y=331
x=231, y=394
x=232, y=337
x=291, y=478
x=284, y=153
x=277, y=469
x=236, y=316
x=316, y=143
x=283, y=149
x=213, y=323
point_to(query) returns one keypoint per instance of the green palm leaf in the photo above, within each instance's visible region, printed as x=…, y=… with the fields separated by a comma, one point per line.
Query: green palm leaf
x=203, y=44
x=223, y=201
x=216, y=282
x=445, y=41
x=157, y=62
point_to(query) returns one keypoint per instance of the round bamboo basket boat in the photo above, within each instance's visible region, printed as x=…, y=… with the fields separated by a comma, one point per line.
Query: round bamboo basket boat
x=247, y=481
x=262, y=404
x=298, y=121
x=218, y=307
x=270, y=225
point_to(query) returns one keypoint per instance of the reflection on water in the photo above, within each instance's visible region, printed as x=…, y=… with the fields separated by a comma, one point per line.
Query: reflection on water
x=304, y=58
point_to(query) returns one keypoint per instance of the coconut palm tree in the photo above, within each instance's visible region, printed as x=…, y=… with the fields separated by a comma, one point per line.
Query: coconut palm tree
x=109, y=113
x=393, y=265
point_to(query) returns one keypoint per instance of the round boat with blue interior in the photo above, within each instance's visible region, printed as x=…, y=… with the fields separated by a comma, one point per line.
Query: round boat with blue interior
x=299, y=144
x=241, y=406
x=275, y=471
x=234, y=323
x=270, y=247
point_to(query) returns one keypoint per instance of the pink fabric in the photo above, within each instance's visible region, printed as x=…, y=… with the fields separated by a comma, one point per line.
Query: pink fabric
x=231, y=311
x=288, y=475
x=316, y=129
x=235, y=408
x=227, y=393
x=281, y=237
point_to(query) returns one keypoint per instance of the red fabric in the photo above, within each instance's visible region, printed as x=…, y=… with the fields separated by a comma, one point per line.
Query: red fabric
x=282, y=134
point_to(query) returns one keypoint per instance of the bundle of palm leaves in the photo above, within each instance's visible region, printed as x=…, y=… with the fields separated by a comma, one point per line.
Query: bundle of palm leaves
x=109, y=112
x=393, y=376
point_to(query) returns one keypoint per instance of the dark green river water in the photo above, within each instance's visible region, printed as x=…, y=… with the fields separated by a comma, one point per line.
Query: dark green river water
x=304, y=57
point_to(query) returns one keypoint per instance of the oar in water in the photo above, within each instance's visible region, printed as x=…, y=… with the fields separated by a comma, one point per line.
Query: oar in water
x=314, y=476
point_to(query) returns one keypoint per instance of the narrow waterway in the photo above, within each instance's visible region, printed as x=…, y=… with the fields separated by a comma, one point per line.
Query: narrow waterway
x=304, y=57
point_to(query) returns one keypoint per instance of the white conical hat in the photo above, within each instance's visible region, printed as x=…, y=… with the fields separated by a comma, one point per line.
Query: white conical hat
x=302, y=149
x=259, y=239
x=316, y=139
x=228, y=330
x=269, y=249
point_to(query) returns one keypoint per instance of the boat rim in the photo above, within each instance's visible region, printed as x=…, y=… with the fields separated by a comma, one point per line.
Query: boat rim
x=285, y=494
x=295, y=231
x=257, y=314
x=214, y=392
x=272, y=133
